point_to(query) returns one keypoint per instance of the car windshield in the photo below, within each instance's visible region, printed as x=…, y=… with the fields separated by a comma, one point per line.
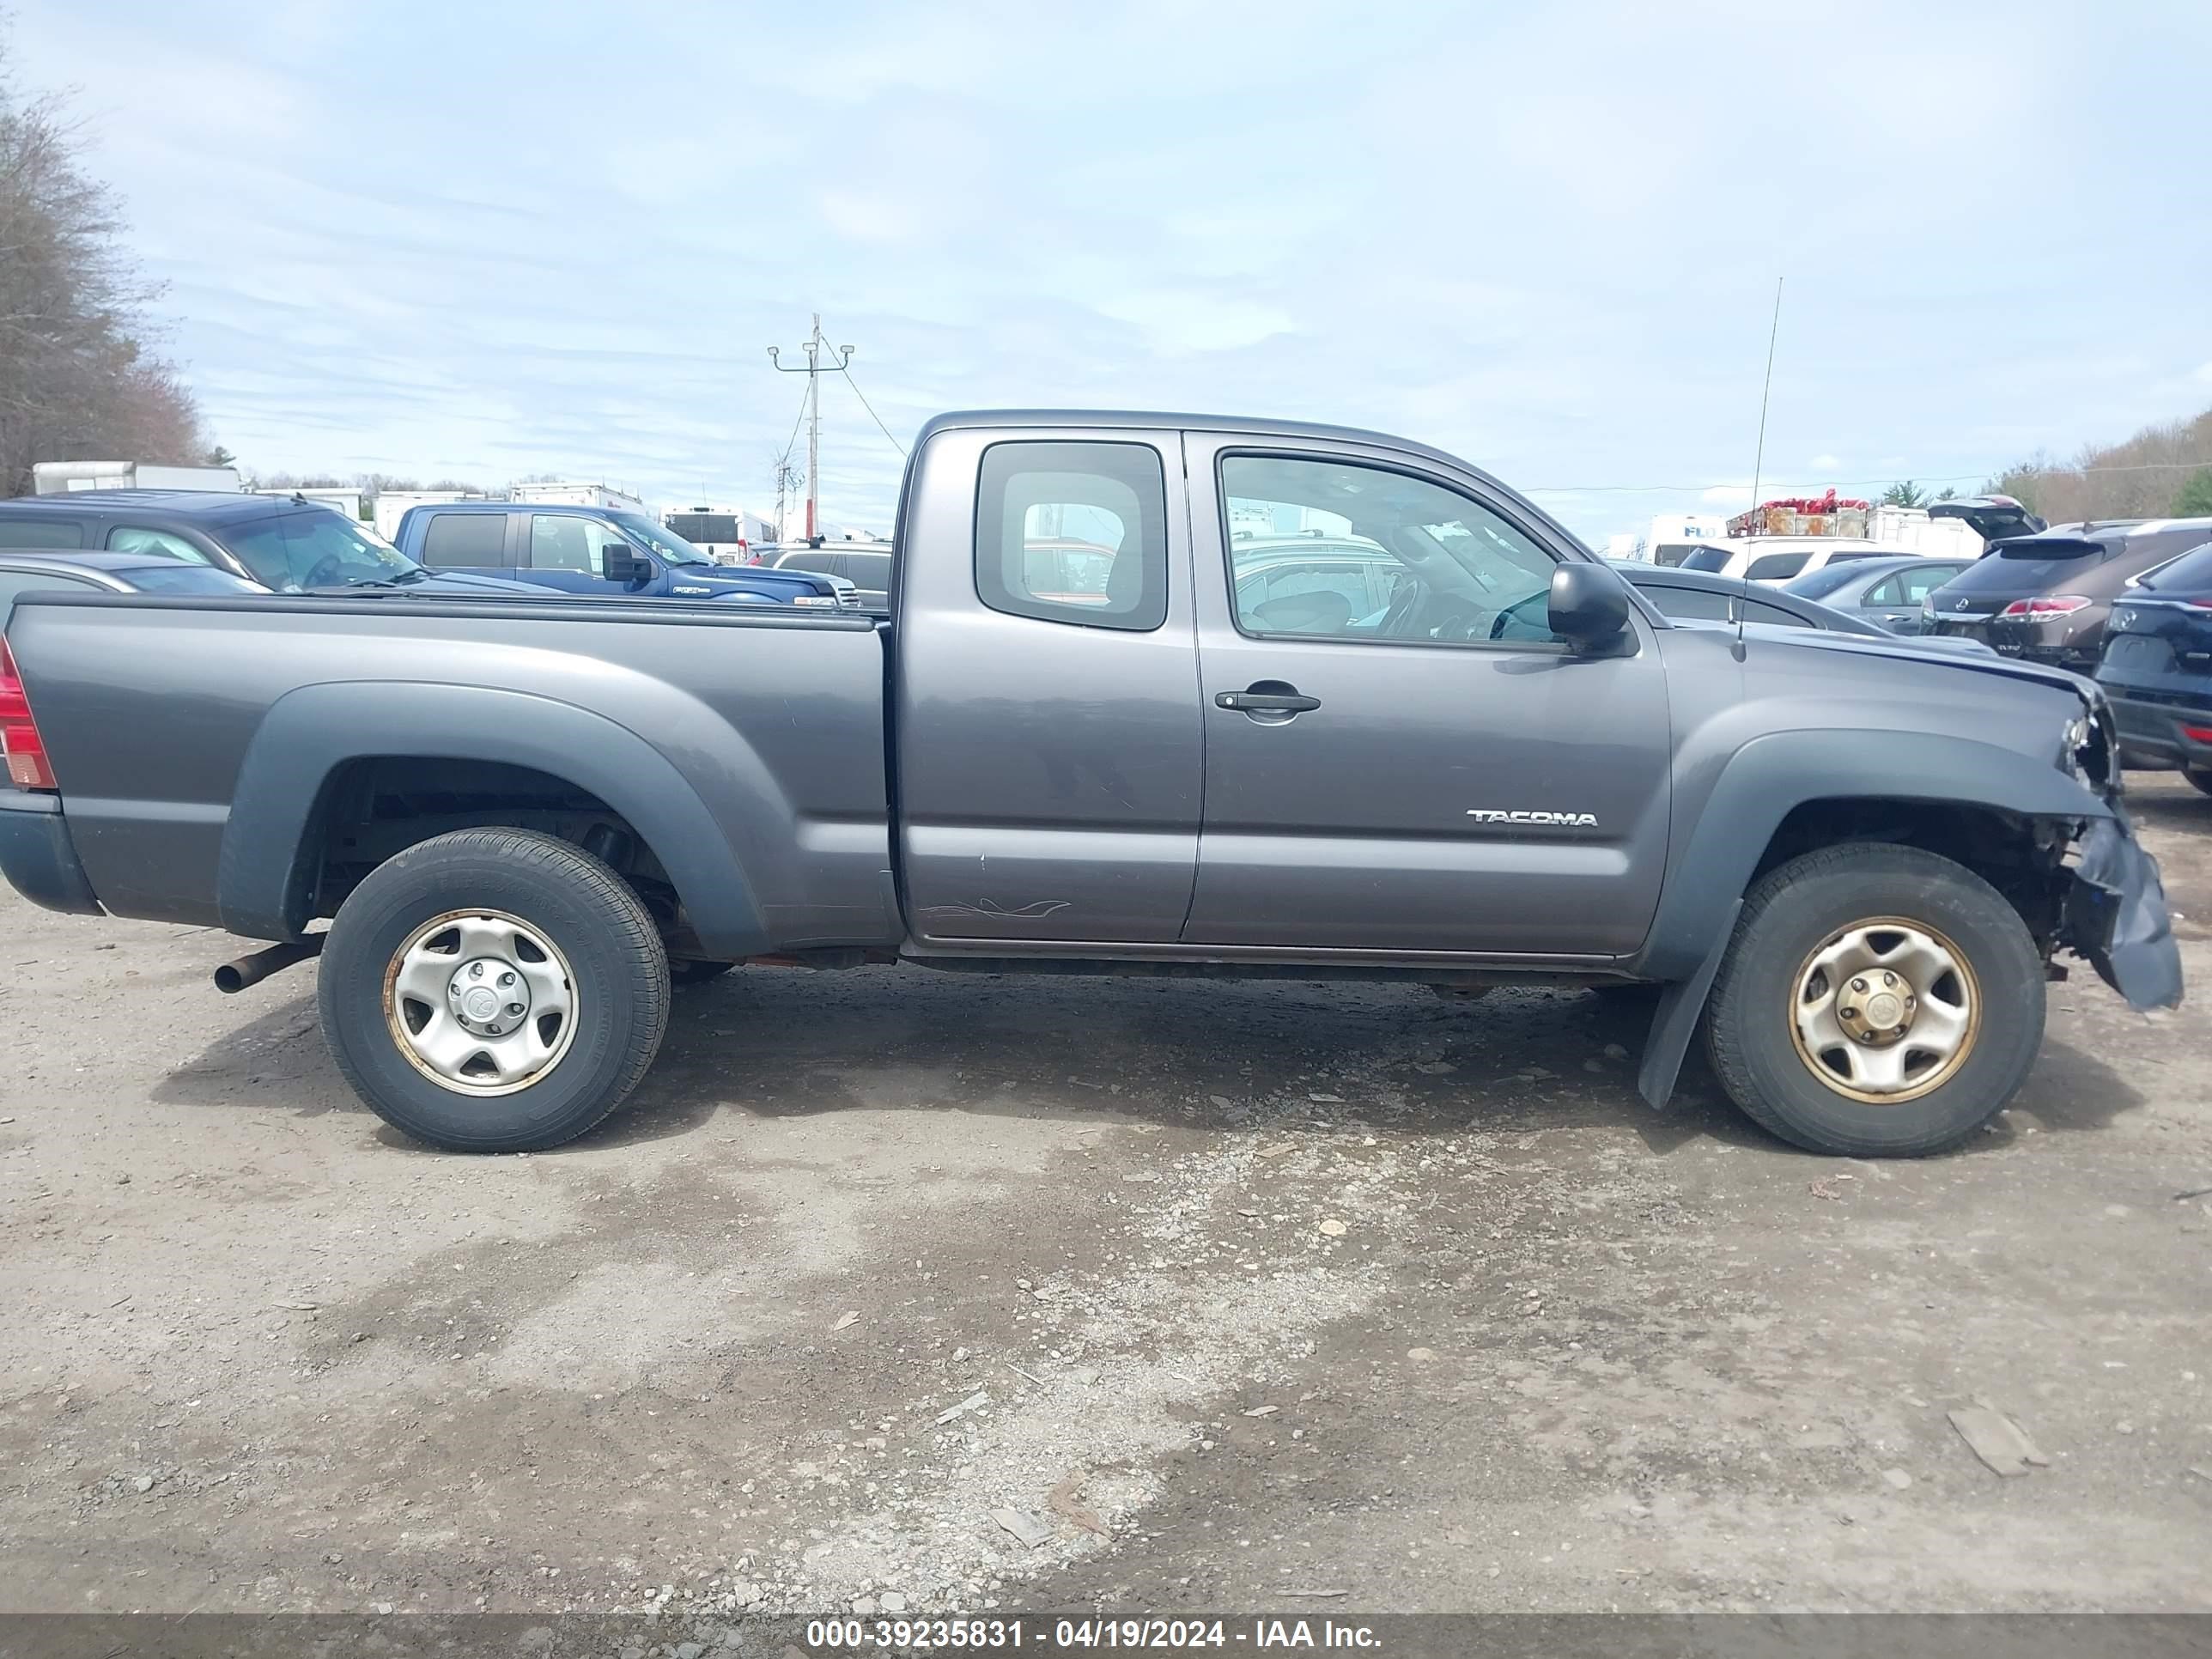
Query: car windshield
x=1824, y=581
x=661, y=539
x=316, y=547
x=1707, y=559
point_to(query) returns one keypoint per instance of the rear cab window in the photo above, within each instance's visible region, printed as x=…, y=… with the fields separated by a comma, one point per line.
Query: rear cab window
x=1774, y=567
x=1710, y=560
x=464, y=541
x=41, y=532
x=1074, y=532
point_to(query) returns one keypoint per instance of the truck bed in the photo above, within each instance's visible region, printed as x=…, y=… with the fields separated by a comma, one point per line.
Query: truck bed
x=753, y=740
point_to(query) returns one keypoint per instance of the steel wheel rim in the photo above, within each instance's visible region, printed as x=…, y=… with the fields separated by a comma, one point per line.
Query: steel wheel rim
x=1885, y=1010
x=450, y=994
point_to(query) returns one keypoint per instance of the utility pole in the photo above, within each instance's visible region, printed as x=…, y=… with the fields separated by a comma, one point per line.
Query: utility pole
x=813, y=348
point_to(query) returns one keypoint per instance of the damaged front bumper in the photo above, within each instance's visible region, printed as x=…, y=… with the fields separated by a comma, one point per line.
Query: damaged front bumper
x=2115, y=915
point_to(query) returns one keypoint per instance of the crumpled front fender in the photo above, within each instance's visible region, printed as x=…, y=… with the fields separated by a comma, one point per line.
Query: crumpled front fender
x=2116, y=917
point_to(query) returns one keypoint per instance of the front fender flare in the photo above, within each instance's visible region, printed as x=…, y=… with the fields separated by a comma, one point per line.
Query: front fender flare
x=264, y=879
x=1711, y=866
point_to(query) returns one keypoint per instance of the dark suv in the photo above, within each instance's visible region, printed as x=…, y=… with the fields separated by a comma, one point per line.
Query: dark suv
x=2046, y=597
x=2158, y=668
x=286, y=544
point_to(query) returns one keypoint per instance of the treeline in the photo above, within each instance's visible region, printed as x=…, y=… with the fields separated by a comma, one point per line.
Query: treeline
x=2163, y=471
x=78, y=377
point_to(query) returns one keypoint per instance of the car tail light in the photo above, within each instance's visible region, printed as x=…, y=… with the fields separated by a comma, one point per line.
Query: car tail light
x=2058, y=605
x=2198, y=733
x=27, y=768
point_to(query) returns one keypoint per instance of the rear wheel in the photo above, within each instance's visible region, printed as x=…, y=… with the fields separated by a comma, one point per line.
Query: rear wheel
x=1875, y=1000
x=2199, y=776
x=493, y=991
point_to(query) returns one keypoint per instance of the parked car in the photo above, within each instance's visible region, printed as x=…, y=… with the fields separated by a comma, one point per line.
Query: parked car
x=1776, y=559
x=2157, y=667
x=868, y=568
x=1886, y=592
x=1848, y=863
x=282, y=545
x=607, y=552
x=1694, y=596
x=2046, y=597
x=28, y=571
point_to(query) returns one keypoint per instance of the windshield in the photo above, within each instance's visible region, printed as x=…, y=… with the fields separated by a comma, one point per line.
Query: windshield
x=661, y=539
x=1824, y=581
x=316, y=547
x=1707, y=559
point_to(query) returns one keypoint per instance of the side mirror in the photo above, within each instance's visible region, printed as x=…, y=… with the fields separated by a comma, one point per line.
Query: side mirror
x=626, y=565
x=1590, y=606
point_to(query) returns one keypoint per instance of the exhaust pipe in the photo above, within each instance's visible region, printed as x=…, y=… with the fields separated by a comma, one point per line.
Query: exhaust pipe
x=235, y=977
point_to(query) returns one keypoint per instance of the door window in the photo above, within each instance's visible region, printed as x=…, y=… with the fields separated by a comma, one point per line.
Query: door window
x=1074, y=532
x=557, y=542
x=1688, y=604
x=1889, y=591
x=130, y=538
x=1774, y=616
x=1449, y=570
x=465, y=541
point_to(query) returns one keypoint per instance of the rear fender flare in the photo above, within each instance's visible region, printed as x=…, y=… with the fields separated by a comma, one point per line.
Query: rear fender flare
x=265, y=877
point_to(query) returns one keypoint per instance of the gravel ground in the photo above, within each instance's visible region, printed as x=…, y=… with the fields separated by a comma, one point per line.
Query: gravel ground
x=926, y=1292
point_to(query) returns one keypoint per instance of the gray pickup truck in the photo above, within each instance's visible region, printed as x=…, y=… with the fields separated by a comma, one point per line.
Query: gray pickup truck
x=1114, y=724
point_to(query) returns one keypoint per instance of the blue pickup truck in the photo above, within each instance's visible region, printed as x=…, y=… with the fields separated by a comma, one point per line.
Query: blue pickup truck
x=600, y=551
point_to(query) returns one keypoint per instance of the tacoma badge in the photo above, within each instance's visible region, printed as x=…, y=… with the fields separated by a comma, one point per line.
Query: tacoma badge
x=1561, y=820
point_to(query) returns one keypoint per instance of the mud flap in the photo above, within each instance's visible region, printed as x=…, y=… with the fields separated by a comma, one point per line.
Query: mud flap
x=2116, y=917
x=1676, y=1018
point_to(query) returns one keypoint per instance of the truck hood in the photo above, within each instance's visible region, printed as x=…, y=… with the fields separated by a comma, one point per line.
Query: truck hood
x=1868, y=645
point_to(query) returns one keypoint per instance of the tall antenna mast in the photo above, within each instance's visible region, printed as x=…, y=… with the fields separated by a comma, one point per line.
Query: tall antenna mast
x=1759, y=461
x=813, y=348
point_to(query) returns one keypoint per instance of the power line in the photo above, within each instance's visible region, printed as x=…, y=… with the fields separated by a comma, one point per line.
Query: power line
x=871, y=408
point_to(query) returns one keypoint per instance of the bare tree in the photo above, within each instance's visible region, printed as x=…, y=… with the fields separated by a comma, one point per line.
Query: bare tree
x=2143, y=477
x=76, y=380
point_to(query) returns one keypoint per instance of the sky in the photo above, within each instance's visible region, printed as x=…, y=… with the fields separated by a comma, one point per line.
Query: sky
x=497, y=240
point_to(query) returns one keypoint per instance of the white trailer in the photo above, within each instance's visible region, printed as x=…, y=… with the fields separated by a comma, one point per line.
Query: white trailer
x=59, y=478
x=392, y=505
x=1671, y=537
x=576, y=495
x=725, y=534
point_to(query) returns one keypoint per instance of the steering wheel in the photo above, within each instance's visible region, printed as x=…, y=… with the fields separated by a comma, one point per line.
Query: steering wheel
x=326, y=572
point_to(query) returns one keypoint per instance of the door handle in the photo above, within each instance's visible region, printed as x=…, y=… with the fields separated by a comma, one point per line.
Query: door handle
x=1266, y=697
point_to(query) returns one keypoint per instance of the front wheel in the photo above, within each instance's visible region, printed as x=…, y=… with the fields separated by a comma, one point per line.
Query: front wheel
x=1875, y=1000
x=493, y=991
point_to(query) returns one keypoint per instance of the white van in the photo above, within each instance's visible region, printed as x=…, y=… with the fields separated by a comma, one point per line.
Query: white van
x=1774, y=559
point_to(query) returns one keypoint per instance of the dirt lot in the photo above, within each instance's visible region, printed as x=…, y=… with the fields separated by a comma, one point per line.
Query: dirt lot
x=1230, y=1291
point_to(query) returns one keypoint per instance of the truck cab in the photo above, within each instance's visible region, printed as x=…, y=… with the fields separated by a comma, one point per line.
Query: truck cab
x=598, y=552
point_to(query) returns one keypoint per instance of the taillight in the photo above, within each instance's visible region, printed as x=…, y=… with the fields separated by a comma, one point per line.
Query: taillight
x=2058, y=605
x=2198, y=733
x=27, y=768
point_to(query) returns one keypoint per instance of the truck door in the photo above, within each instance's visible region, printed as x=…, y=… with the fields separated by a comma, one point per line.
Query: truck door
x=1435, y=773
x=1046, y=727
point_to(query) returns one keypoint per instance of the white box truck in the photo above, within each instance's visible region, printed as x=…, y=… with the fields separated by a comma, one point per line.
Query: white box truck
x=59, y=478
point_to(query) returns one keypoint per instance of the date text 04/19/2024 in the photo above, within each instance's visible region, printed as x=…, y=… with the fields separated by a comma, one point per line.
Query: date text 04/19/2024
x=1083, y=1635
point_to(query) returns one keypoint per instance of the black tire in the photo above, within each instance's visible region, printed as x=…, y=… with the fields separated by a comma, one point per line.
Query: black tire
x=1787, y=916
x=2199, y=776
x=614, y=956
x=692, y=971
